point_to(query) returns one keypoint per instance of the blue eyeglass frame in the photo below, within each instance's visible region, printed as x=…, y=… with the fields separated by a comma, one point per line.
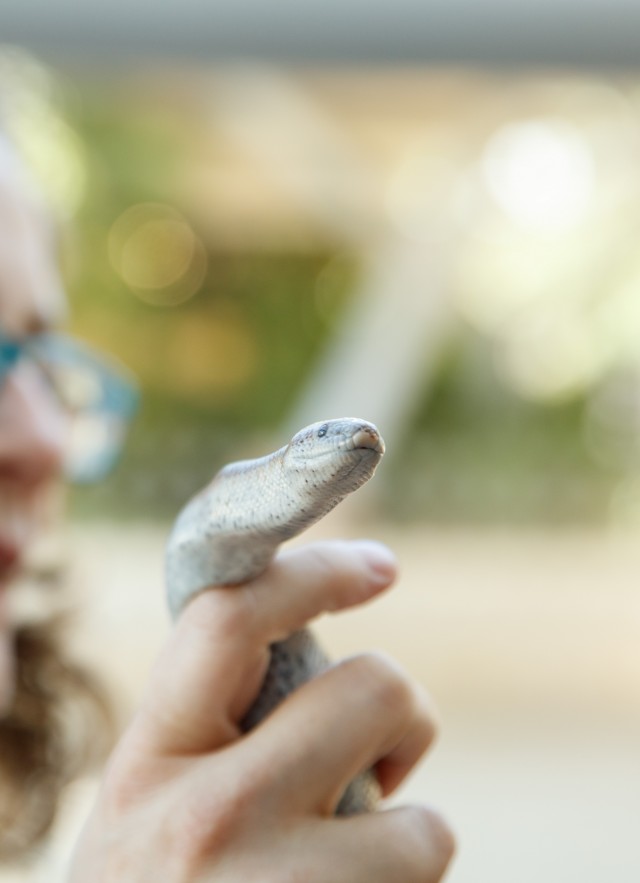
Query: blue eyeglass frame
x=10, y=352
x=115, y=393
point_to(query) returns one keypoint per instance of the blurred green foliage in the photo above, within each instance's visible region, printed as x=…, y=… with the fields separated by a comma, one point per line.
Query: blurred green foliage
x=184, y=432
x=215, y=370
x=478, y=453
x=220, y=371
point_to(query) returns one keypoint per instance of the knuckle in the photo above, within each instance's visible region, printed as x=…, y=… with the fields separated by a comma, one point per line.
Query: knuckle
x=220, y=611
x=385, y=683
x=332, y=559
x=324, y=558
x=321, y=569
x=430, y=838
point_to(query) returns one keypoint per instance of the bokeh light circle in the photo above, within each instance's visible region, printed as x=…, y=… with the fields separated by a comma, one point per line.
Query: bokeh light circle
x=156, y=253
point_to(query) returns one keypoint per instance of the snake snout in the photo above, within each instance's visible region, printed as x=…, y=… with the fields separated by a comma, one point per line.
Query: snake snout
x=367, y=436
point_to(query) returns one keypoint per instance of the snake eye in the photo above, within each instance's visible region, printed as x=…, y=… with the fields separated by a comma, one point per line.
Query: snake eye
x=323, y=430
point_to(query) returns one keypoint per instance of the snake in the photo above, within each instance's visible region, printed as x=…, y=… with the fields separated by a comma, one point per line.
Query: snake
x=230, y=531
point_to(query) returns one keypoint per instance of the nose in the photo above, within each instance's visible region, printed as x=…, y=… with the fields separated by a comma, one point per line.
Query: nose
x=32, y=430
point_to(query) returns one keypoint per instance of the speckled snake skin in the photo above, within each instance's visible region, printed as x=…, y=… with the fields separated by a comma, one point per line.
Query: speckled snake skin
x=229, y=532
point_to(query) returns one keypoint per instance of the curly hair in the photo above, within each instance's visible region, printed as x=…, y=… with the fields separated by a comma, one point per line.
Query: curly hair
x=59, y=725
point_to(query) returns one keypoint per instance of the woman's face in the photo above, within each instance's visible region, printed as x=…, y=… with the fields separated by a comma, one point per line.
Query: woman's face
x=31, y=422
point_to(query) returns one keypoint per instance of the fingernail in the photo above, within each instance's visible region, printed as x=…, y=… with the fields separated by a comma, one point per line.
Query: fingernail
x=381, y=560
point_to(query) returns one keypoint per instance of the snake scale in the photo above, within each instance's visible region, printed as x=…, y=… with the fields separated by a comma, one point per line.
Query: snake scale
x=229, y=532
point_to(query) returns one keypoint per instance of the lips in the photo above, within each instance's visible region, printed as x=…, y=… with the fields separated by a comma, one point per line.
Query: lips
x=11, y=554
x=16, y=525
x=8, y=558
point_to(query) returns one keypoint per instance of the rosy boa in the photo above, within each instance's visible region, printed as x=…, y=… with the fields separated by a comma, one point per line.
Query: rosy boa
x=229, y=532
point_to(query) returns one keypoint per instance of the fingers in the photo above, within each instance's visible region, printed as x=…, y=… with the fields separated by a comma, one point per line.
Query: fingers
x=362, y=713
x=411, y=844
x=213, y=665
x=329, y=576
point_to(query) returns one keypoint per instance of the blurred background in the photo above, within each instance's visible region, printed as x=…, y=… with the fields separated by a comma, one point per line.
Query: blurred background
x=429, y=223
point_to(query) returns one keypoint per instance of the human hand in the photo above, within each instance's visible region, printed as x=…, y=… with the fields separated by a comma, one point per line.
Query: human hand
x=187, y=797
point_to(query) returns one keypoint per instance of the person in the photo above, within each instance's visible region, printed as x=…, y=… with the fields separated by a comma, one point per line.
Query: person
x=185, y=796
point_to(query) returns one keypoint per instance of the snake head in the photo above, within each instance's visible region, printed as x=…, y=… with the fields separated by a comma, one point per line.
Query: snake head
x=334, y=457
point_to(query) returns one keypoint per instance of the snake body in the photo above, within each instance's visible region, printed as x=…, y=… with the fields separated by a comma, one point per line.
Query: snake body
x=229, y=532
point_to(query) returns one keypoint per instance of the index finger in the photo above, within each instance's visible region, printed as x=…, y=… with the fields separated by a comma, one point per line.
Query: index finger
x=212, y=667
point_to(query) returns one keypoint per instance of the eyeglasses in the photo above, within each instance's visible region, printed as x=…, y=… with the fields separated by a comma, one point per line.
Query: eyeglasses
x=97, y=393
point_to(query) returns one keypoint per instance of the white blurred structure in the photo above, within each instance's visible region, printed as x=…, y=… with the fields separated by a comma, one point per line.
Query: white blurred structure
x=379, y=360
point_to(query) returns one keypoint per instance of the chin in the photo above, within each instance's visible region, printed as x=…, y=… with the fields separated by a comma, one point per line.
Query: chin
x=7, y=656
